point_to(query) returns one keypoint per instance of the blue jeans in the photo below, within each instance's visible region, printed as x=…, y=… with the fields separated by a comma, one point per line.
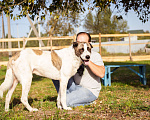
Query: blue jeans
x=76, y=95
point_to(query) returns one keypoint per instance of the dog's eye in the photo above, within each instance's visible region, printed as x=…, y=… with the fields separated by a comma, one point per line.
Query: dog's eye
x=82, y=49
x=88, y=48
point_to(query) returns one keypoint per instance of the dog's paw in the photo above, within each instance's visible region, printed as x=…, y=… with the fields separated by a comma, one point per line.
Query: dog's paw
x=7, y=110
x=67, y=108
x=34, y=110
x=59, y=107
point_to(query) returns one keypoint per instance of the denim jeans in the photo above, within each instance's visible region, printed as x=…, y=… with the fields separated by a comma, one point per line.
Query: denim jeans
x=76, y=95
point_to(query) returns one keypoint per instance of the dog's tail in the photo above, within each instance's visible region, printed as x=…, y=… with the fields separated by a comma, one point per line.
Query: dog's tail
x=7, y=82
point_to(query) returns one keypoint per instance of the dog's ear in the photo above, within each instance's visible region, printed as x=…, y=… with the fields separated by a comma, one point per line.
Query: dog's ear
x=75, y=44
x=91, y=45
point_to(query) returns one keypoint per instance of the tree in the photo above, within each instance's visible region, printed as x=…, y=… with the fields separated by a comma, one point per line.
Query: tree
x=35, y=7
x=102, y=22
x=42, y=7
x=119, y=26
x=59, y=24
x=89, y=22
x=98, y=23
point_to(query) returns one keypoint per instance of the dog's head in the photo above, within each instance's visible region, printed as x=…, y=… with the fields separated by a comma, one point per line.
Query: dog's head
x=83, y=50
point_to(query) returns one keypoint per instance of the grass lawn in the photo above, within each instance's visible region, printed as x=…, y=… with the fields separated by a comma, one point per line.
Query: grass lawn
x=126, y=98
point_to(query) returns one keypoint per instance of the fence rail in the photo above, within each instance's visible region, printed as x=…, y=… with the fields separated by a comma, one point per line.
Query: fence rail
x=119, y=35
x=51, y=38
x=36, y=38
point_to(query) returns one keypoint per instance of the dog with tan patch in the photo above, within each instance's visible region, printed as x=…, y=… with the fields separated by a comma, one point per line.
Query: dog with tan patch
x=58, y=65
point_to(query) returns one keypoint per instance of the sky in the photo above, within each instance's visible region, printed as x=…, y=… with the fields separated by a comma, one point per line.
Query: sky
x=20, y=28
x=134, y=23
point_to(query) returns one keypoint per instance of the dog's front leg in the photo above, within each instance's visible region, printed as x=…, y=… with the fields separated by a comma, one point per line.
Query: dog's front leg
x=62, y=91
x=58, y=101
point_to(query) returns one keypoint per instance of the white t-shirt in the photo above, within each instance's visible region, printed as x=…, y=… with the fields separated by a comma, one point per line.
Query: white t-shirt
x=88, y=79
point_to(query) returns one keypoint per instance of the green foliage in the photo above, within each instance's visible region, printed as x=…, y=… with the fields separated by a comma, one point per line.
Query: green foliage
x=4, y=57
x=62, y=42
x=3, y=72
x=89, y=22
x=148, y=45
x=35, y=7
x=104, y=23
x=60, y=24
x=119, y=26
x=54, y=43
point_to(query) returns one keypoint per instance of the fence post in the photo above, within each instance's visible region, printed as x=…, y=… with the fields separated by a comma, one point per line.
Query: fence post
x=24, y=44
x=51, y=41
x=130, y=48
x=48, y=42
x=100, y=43
x=74, y=38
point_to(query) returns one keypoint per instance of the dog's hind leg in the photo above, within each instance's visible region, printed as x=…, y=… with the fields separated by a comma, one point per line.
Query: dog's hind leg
x=9, y=94
x=26, y=84
x=7, y=82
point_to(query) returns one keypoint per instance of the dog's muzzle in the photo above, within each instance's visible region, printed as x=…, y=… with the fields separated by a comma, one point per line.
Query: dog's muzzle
x=87, y=58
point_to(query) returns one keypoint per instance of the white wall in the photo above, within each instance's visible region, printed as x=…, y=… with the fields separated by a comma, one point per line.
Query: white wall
x=132, y=38
x=122, y=48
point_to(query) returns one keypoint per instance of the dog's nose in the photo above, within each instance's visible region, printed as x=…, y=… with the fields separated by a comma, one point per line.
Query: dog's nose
x=87, y=57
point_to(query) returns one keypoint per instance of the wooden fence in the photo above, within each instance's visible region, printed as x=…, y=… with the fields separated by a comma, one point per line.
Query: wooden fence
x=33, y=39
x=51, y=38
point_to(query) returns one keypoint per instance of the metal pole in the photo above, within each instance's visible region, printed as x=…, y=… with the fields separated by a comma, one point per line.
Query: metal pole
x=0, y=37
x=9, y=36
x=18, y=36
x=130, y=48
x=39, y=30
x=35, y=31
x=31, y=27
x=100, y=43
x=3, y=30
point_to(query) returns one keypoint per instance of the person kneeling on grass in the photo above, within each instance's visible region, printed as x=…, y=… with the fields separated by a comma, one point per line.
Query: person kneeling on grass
x=83, y=89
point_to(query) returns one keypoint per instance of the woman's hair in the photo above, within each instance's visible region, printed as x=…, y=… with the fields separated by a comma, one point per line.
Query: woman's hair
x=84, y=33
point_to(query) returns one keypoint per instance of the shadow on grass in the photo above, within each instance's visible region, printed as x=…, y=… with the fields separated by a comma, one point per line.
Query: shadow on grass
x=126, y=76
x=17, y=101
x=37, y=78
x=49, y=98
x=14, y=102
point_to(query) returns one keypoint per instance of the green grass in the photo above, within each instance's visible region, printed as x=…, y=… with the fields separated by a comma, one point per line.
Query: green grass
x=126, y=98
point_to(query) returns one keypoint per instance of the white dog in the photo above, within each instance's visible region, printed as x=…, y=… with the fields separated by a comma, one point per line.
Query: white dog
x=58, y=65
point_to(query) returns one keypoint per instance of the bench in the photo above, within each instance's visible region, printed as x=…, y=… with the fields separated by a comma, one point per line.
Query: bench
x=106, y=80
